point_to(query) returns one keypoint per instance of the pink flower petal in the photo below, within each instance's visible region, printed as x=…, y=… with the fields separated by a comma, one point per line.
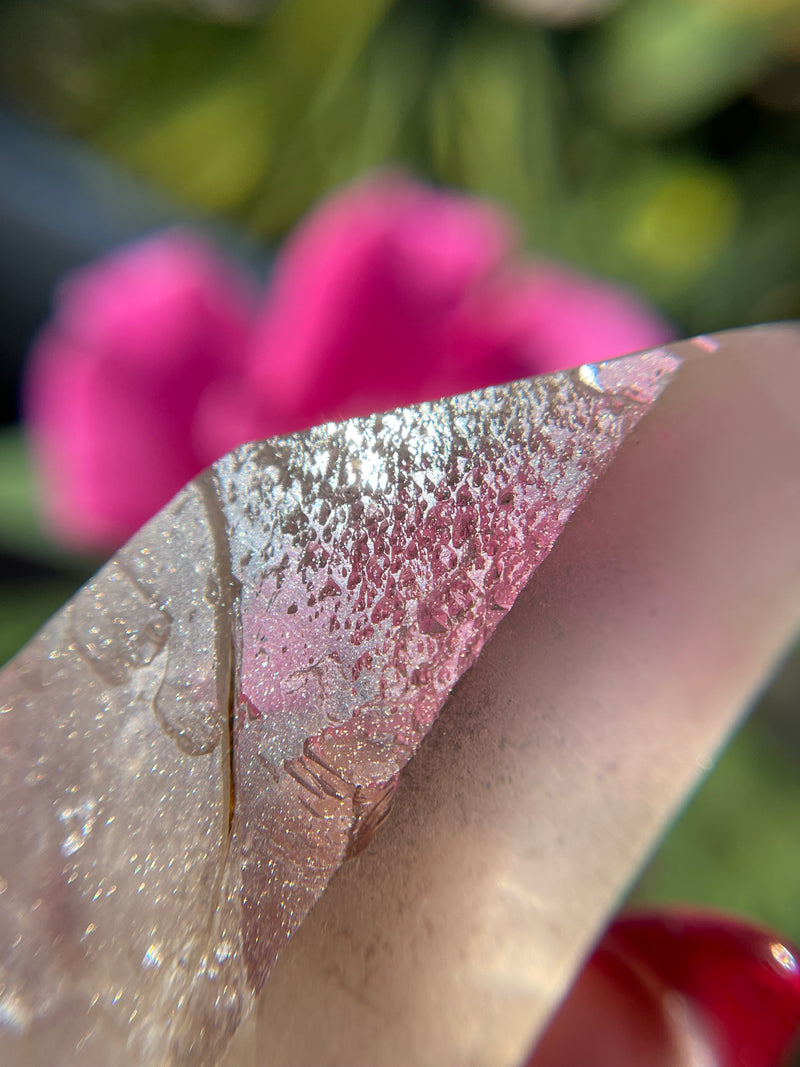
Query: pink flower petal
x=389, y=294
x=551, y=318
x=393, y=292
x=362, y=297
x=115, y=380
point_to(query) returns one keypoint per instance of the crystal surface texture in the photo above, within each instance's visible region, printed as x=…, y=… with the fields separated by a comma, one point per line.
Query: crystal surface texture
x=194, y=745
x=560, y=757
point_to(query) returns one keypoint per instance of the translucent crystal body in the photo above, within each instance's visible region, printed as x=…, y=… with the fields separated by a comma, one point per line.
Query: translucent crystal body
x=192, y=747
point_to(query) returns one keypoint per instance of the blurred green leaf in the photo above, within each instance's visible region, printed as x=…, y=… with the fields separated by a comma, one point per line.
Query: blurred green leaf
x=660, y=65
x=311, y=56
x=19, y=519
x=24, y=609
x=495, y=119
x=661, y=223
x=21, y=532
x=758, y=276
x=389, y=96
x=683, y=221
x=210, y=149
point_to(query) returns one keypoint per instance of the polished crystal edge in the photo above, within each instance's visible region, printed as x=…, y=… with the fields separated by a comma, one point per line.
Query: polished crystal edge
x=197, y=741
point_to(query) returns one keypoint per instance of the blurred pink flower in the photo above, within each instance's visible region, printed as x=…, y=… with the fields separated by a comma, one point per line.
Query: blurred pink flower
x=115, y=380
x=156, y=361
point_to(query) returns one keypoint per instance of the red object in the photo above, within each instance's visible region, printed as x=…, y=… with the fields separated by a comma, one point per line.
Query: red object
x=675, y=989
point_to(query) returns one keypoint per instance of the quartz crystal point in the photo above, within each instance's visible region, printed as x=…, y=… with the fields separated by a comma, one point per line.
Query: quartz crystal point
x=193, y=746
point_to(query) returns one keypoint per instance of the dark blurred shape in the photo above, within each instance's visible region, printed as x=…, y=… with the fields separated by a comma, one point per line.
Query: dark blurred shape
x=220, y=10
x=62, y=205
x=780, y=89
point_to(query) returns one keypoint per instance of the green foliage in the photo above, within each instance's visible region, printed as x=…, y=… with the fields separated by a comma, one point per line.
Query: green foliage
x=494, y=114
x=27, y=600
x=20, y=529
x=17, y=491
x=647, y=147
x=660, y=65
x=24, y=610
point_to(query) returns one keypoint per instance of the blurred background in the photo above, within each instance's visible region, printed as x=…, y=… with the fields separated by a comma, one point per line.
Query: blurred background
x=651, y=142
